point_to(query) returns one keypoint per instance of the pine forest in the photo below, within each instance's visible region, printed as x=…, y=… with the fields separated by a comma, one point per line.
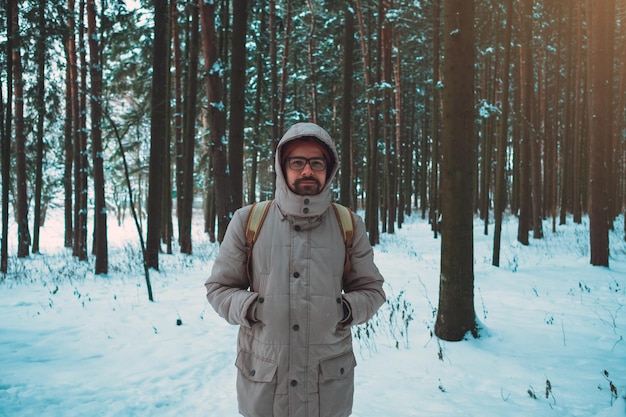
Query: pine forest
x=154, y=112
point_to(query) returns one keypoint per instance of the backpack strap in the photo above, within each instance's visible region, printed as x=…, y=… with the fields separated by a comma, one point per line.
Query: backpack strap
x=255, y=220
x=259, y=211
x=346, y=224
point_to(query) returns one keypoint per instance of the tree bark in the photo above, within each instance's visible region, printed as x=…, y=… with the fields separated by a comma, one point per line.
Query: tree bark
x=81, y=166
x=620, y=125
x=186, y=169
x=237, y=102
x=258, y=96
x=273, y=62
x=526, y=88
x=6, y=140
x=577, y=128
x=400, y=143
x=601, y=119
x=41, y=114
x=501, y=148
x=21, y=214
x=100, y=214
x=347, y=196
x=213, y=68
x=389, y=181
x=567, y=172
x=312, y=50
x=68, y=146
x=179, y=114
x=75, y=136
x=371, y=211
x=455, y=315
x=284, y=69
x=167, y=226
x=424, y=158
x=435, y=202
x=158, y=124
x=536, y=151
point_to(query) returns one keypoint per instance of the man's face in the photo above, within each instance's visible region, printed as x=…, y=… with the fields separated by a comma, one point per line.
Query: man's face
x=306, y=181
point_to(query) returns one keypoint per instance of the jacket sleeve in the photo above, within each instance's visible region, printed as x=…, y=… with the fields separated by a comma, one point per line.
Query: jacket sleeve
x=227, y=286
x=363, y=285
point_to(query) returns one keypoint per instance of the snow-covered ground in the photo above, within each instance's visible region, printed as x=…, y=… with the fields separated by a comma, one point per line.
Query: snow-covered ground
x=75, y=344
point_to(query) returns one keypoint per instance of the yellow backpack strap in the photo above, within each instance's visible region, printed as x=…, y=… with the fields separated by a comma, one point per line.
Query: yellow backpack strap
x=255, y=220
x=346, y=224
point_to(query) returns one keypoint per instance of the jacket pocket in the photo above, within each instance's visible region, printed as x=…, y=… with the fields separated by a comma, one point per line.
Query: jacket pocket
x=336, y=384
x=256, y=384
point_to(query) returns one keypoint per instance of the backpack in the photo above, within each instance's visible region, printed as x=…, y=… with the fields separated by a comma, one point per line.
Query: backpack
x=257, y=215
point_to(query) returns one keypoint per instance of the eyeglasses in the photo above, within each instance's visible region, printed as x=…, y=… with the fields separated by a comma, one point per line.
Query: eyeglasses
x=298, y=163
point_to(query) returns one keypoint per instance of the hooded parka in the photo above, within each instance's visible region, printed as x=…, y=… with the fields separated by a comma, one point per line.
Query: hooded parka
x=294, y=348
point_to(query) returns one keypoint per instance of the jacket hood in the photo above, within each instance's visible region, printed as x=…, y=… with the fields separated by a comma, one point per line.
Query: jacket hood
x=305, y=205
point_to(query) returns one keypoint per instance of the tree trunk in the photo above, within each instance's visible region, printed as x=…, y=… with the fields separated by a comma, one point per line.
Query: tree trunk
x=259, y=94
x=167, y=227
x=434, y=199
x=75, y=141
x=209, y=183
x=371, y=210
x=100, y=214
x=284, y=69
x=526, y=99
x=553, y=124
x=179, y=113
x=186, y=169
x=6, y=139
x=389, y=181
x=399, y=140
x=216, y=115
x=21, y=214
x=601, y=119
x=41, y=114
x=567, y=173
x=455, y=315
x=81, y=166
x=68, y=146
x=620, y=125
x=500, y=194
x=237, y=102
x=424, y=158
x=618, y=186
x=516, y=132
x=158, y=124
x=346, y=196
x=273, y=47
x=536, y=151
x=577, y=128
x=312, y=50
x=483, y=201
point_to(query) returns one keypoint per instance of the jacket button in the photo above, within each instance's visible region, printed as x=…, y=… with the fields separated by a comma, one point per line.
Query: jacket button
x=305, y=210
x=338, y=300
x=342, y=371
x=296, y=275
x=297, y=228
x=296, y=327
x=261, y=300
x=307, y=201
x=253, y=372
x=293, y=383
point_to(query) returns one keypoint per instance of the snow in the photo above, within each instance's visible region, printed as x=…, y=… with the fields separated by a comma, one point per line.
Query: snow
x=75, y=344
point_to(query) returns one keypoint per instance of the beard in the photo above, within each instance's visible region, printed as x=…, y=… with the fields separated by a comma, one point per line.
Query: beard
x=307, y=186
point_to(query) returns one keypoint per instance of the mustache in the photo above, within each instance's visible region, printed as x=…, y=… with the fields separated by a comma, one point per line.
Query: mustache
x=300, y=180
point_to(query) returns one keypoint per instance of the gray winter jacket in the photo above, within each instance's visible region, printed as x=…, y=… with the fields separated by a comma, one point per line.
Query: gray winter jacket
x=295, y=355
